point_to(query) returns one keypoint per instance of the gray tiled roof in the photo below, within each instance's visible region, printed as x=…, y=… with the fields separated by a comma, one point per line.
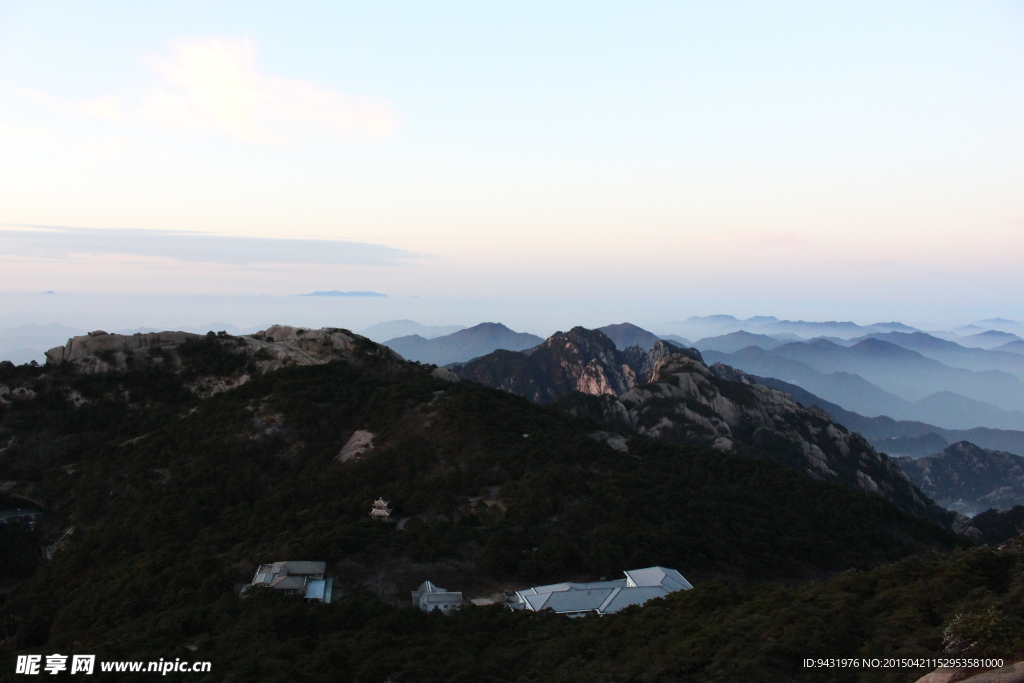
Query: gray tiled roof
x=618, y=583
x=574, y=600
x=288, y=582
x=624, y=597
x=657, y=576
x=303, y=568
x=605, y=597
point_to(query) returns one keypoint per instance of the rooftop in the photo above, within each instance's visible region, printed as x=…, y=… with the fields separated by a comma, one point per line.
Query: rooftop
x=604, y=597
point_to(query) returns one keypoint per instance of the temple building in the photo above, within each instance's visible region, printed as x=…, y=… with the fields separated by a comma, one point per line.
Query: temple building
x=431, y=598
x=602, y=597
x=381, y=510
x=307, y=579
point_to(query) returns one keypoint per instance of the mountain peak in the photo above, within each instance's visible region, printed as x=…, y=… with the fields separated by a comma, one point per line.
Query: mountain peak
x=670, y=394
x=463, y=345
x=627, y=334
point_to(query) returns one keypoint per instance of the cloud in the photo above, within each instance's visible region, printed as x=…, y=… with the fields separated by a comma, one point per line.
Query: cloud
x=215, y=87
x=67, y=243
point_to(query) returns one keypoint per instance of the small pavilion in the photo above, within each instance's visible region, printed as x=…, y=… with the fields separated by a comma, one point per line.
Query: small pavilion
x=381, y=510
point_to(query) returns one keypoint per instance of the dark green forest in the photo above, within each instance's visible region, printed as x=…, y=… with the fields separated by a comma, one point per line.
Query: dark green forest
x=159, y=505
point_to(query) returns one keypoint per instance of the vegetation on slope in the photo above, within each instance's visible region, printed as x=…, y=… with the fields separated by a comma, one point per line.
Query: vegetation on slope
x=173, y=500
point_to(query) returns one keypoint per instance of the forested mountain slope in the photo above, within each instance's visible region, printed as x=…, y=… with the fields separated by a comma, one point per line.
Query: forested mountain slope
x=969, y=479
x=668, y=393
x=165, y=477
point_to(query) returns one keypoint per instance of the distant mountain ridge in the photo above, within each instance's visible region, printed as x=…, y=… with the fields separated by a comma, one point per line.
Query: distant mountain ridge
x=393, y=329
x=905, y=372
x=1011, y=347
x=831, y=372
x=335, y=292
x=902, y=437
x=955, y=355
x=463, y=345
x=625, y=335
x=669, y=393
x=969, y=479
x=990, y=339
x=697, y=327
x=735, y=341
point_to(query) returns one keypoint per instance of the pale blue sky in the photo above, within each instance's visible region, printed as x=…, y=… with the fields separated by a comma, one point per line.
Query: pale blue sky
x=808, y=156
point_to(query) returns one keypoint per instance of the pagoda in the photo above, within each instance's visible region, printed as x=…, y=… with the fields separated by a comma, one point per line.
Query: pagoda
x=381, y=510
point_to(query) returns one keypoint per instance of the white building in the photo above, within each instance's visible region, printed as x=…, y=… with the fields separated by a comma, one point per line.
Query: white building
x=296, y=578
x=602, y=597
x=430, y=598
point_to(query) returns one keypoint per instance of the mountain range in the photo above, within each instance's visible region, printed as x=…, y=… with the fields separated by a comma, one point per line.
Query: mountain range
x=902, y=437
x=919, y=388
x=335, y=292
x=955, y=354
x=404, y=328
x=670, y=394
x=984, y=333
x=168, y=466
x=1011, y=347
x=462, y=345
x=697, y=327
x=990, y=339
x=889, y=370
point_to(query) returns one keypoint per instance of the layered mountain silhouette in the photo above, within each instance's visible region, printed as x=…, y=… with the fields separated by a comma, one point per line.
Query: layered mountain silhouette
x=969, y=479
x=989, y=339
x=462, y=345
x=904, y=372
x=1011, y=347
x=677, y=340
x=955, y=355
x=902, y=437
x=735, y=341
x=876, y=378
x=697, y=327
x=669, y=393
x=404, y=328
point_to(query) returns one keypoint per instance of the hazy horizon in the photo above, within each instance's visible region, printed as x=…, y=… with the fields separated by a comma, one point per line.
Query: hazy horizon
x=112, y=312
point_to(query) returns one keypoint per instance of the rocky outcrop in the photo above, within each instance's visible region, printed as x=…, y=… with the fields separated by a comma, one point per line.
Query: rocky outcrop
x=99, y=344
x=271, y=349
x=993, y=527
x=969, y=479
x=359, y=443
x=668, y=393
x=444, y=374
x=17, y=394
x=578, y=360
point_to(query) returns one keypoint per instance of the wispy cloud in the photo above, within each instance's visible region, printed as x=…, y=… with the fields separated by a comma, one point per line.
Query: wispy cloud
x=215, y=86
x=66, y=243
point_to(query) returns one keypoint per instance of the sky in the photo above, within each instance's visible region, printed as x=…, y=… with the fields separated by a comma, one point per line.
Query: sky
x=815, y=160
